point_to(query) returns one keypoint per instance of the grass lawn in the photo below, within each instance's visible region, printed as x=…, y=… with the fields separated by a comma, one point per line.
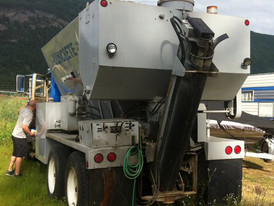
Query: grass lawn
x=258, y=182
x=29, y=190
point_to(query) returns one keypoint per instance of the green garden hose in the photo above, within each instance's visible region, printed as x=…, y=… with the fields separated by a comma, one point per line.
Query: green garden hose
x=132, y=171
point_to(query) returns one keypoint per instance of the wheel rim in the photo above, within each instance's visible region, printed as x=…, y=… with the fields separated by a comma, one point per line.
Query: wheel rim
x=72, y=187
x=51, y=175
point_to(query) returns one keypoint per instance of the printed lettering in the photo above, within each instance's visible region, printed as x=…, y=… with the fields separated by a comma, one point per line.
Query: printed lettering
x=64, y=54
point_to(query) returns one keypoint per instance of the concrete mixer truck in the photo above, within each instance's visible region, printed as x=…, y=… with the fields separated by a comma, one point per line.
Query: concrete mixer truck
x=122, y=112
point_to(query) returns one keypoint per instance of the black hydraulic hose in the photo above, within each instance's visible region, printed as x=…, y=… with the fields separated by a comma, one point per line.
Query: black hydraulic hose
x=158, y=106
x=175, y=22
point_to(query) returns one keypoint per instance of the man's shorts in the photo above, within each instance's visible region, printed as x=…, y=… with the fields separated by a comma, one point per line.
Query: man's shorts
x=20, y=147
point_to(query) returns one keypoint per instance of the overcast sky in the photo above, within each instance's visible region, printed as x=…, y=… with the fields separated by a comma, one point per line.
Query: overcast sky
x=259, y=12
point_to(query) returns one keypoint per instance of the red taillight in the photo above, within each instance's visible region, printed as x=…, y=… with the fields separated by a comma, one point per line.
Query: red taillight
x=111, y=157
x=228, y=150
x=104, y=3
x=237, y=149
x=98, y=158
x=247, y=22
x=86, y=164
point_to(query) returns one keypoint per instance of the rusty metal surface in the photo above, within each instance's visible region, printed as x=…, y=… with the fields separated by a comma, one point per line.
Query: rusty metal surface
x=195, y=172
x=189, y=166
x=109, y=187
x=170, y=197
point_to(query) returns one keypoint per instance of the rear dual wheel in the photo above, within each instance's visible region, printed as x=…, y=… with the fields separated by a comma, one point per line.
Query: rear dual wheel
x=56, y=174
x=76, y=180
x=51, y=175
x=67, y=177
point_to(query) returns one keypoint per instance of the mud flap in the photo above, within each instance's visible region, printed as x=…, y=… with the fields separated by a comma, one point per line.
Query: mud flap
x=223, y=180
x=109, y=187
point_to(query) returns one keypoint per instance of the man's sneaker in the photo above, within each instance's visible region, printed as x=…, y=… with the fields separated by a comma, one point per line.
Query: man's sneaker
x=19, y=175
x=10, y=173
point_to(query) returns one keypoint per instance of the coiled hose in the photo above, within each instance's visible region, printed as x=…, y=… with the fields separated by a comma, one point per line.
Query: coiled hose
x=132, y=171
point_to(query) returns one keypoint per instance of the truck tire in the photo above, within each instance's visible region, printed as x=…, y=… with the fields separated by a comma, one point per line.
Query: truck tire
x=76, y=180
x=56, y=173
x=264, y=149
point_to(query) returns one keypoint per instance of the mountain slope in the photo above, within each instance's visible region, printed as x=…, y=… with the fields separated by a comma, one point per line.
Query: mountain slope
x=26, y=26
x=262, y=53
